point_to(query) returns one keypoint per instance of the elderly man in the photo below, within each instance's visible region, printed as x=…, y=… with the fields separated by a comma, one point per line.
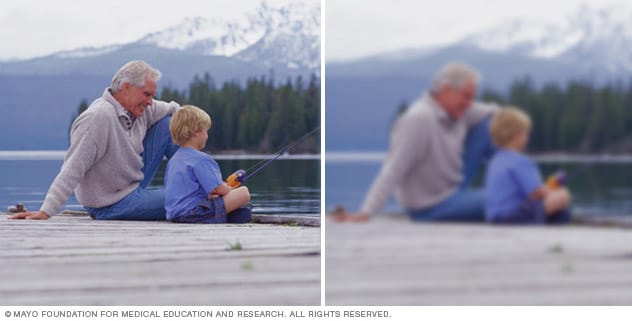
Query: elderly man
x=437, y=146
x=116, y=146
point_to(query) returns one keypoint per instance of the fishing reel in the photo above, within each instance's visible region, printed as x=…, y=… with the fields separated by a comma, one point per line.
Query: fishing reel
x=557, y=180
x=236, y=179
x=239, y=177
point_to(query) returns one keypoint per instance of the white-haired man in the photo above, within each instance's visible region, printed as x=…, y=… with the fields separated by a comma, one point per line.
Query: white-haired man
x=116, y=146
x=437, y=146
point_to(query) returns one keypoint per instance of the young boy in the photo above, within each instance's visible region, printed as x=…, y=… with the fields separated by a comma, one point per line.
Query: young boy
x=514, y=190
x=194, y=189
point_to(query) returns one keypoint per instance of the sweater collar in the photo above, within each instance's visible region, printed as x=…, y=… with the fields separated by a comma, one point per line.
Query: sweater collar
x=442, y=115
x=120, y=110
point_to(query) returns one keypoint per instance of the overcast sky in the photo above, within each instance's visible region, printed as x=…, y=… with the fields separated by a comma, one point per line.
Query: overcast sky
x=30, y=28
x=356, y=28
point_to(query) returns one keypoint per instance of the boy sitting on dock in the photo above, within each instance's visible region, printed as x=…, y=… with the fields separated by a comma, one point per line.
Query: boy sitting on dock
x=515, y=192
x=194, y=189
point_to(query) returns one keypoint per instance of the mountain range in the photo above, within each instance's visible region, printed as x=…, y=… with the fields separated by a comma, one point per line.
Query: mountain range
x=41, y=94
x=592, y=44
x=285, y=39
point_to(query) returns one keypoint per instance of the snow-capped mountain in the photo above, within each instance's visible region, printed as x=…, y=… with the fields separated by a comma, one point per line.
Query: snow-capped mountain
x=212, y=37
x=289, y=35
x=292, y=36
x=87, y=52
x=597, y=38
x=591, y=44
x=278, y=42
x=286, y=36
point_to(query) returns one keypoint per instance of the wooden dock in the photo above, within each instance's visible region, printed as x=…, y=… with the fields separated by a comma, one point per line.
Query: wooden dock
x=74, y=260
x=392, y=261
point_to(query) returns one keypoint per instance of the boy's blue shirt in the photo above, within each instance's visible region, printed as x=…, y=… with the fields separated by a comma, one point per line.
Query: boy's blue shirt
x=511, y=177
x=190, y=176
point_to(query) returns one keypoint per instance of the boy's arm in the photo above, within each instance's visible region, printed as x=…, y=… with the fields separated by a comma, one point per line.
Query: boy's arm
x=528, y=179
x=208, y=175
x=221, y=190
x=539, y=193
x=527, y=176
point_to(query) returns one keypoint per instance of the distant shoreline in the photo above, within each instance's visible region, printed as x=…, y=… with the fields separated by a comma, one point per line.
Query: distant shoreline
x=378, y=157
x=59, y=155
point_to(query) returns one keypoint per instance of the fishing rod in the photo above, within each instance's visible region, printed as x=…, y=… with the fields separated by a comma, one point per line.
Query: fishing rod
x=284, y=149
x=240, y=176
x=561, y=177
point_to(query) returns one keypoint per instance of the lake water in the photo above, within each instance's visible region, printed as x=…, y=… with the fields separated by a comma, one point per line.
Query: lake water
x=287, y=186
x=599, y=185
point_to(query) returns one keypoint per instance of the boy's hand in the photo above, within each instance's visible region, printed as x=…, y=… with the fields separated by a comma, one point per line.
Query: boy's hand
x=539, y=193
x=213, y=194
x=220, y=190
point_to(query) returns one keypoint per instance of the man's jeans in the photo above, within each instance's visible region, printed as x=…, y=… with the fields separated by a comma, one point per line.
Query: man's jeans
x=465, y=204
x=144, y=204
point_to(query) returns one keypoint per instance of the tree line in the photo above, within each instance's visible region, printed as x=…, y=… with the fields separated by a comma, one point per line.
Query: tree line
x=578, y=117
x=261, y=116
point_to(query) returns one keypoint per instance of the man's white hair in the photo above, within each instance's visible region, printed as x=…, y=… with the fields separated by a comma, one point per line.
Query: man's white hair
x=134, y=72
x=455, y=75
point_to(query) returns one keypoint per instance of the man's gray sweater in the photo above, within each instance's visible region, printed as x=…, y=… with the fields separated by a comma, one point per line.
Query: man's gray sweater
x=103, y=163
x=425, y=162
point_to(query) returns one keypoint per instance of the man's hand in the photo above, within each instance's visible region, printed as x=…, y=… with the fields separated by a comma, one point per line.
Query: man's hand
x=39, y=215
x=349, y=217
x=357, y=217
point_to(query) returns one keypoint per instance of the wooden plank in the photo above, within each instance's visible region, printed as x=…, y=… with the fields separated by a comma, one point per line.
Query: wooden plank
x=394, y=261
x=74, y=260
x=604, y=220
x=296, y=294
x=286, y=219
x=295, y=220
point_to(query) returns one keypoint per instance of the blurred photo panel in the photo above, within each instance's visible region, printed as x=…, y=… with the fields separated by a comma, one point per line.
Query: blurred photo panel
x=478, y=152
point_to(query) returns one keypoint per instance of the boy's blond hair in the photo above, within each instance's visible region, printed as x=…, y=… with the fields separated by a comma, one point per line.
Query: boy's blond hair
x=186, y=121
x=507, y=123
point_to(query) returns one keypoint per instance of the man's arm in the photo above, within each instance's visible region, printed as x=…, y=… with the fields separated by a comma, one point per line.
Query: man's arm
x=161, y=110
x=408, y=143
x=85, y=149
x=478, y=112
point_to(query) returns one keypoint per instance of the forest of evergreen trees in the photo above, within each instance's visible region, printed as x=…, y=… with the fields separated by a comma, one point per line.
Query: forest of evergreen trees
x=261, y=116
x=578, y=117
